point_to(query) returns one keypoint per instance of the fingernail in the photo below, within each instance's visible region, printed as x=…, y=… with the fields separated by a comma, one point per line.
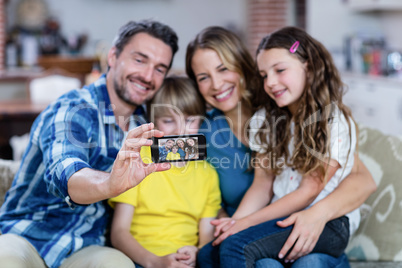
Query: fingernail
x=280, y=256
x=292, y=260
x=286, y=261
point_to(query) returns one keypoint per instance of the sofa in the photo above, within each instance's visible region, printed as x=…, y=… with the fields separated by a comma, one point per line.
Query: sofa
x=378, y=241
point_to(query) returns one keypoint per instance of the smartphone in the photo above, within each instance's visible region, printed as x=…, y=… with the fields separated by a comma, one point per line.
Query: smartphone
x=179, y=148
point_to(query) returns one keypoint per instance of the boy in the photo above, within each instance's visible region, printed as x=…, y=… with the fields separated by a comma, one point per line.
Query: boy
x=164, y=220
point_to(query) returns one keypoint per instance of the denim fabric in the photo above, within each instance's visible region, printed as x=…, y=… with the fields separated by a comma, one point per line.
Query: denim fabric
x=265, y=241
x=313, y=260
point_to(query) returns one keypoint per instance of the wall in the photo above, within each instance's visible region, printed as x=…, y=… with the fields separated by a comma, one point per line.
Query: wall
x=331, y=21
x=101, y=18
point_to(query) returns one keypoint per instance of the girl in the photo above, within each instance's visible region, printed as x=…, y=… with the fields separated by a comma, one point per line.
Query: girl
x=303, y=139
x=191, y=149
x=220, y=64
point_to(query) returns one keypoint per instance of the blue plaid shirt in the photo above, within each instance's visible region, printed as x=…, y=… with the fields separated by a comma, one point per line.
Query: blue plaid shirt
x=77, y=131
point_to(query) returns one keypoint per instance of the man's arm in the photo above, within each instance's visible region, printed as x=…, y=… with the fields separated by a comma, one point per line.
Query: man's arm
x=309, y=224
x=88, y=186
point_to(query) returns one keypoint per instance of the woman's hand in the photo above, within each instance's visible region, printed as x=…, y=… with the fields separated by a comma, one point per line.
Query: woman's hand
x=235, y=227
x=308, y=226
x=222, y=225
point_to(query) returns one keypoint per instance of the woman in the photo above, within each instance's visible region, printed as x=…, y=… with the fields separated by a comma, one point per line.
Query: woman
x=225, y=75
x=181, y=151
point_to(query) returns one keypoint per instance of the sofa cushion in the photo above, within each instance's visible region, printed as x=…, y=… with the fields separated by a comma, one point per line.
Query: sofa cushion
x=8, y=168
x=379, y=236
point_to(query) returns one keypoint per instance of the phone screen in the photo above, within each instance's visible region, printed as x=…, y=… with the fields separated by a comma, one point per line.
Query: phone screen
x=179, y=148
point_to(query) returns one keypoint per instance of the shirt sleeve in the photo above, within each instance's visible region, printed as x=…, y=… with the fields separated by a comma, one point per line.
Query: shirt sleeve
x=256, y=122
x=129, y=197
x=214, y=195
x=343, y=139
x=65, y=140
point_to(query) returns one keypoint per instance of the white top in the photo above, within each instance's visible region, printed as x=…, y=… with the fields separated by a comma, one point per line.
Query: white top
x=289, y=180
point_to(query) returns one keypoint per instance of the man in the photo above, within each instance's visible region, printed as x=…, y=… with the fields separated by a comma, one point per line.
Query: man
x=53, y=215
x=163, y=151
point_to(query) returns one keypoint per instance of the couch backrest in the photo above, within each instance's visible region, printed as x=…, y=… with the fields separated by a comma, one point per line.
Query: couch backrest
x=379, y=236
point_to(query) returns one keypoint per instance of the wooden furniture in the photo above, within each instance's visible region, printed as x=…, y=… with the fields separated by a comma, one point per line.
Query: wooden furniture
x=16, y=118
x=78, y=65
x=51, y=84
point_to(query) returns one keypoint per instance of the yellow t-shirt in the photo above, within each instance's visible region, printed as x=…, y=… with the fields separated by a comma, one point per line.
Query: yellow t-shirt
x=173, y=156
x=169, y=205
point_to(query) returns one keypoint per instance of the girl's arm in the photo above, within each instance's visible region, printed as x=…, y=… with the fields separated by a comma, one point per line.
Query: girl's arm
x=309, y=188
x=257, y=196
x=309, y=223
x=122, y=240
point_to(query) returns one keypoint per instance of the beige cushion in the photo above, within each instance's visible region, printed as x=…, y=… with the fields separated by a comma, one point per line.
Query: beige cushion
x=379, y=236
x=8, y=169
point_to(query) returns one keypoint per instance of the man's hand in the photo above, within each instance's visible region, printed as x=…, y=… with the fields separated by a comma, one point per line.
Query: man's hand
x=189, y=251
x=128, y=168
x=308, y=226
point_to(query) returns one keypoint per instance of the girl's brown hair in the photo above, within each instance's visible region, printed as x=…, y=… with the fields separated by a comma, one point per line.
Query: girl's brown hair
x=234, y=56
x=323, y=89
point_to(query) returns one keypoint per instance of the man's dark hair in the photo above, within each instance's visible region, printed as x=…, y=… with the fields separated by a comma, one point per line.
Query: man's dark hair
x=153, y=28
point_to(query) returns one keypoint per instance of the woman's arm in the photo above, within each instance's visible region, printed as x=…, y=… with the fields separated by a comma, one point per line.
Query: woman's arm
x=309, y=224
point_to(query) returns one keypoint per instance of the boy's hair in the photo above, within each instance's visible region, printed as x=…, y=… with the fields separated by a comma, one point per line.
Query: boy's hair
x=178, y=93
x=175, y=146
x=153, y=28
x=323, y=87
x=233, y=53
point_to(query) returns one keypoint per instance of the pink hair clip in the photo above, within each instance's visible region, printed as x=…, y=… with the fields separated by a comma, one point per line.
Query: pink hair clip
x=294, y=47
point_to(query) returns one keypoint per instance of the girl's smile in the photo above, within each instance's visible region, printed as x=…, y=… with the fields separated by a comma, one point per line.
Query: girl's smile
x=284, y=76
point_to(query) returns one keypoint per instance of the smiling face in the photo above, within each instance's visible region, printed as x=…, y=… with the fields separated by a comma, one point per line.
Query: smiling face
x=180, y=143
x=284, y=76
x=219, y=86
x=190, y=142
x=169, y=144
x=175, y=149
x=138, y=72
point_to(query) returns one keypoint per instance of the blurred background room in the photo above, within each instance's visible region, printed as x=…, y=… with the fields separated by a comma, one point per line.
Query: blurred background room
x=49, y=44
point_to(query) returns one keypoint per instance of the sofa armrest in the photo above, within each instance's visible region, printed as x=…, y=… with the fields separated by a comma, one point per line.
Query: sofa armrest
x=8, y=169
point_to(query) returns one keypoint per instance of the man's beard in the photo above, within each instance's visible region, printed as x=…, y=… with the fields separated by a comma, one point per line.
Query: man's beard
x=123, y=94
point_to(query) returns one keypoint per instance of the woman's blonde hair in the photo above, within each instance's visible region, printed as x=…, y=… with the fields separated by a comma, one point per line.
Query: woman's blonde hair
x=233, y=53
x=178, y=93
